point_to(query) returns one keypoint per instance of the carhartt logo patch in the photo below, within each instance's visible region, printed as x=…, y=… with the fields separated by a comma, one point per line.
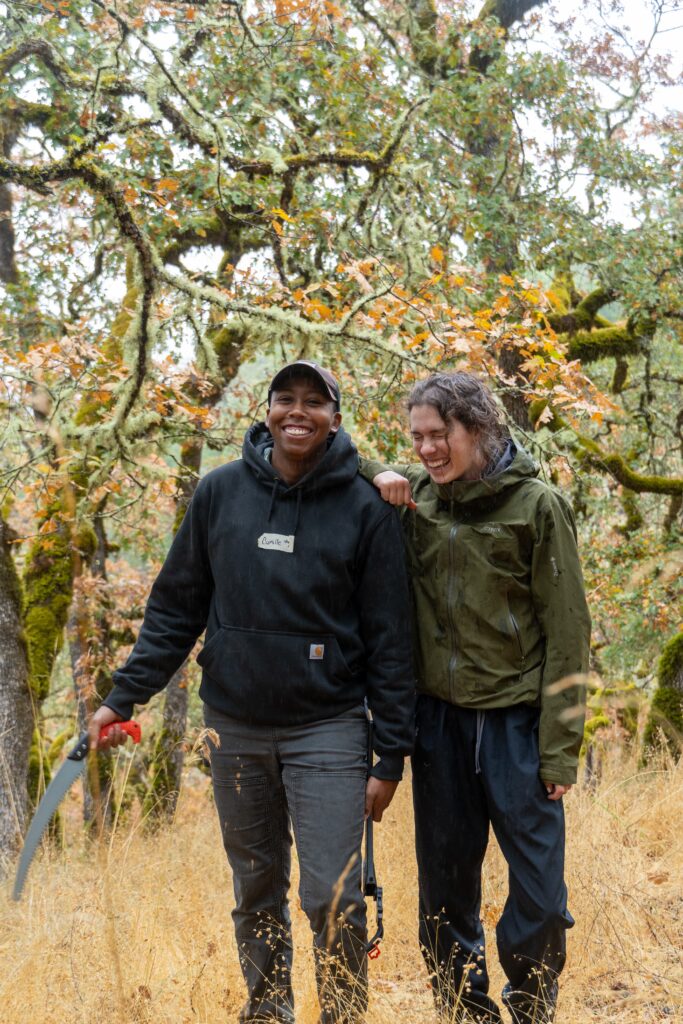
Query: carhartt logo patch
x=277, y=542
x=316, y=652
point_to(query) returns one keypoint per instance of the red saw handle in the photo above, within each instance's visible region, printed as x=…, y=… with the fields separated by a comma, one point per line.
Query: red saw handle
x=132, y=728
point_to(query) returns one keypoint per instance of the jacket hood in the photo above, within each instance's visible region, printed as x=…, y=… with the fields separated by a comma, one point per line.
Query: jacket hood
x=339, y=464
x=520, y=467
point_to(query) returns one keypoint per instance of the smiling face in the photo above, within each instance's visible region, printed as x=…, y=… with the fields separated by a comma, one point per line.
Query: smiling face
x=300, y=418
x=448, y=451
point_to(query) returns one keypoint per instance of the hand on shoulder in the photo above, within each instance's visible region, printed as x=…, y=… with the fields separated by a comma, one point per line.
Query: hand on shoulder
x=394, y=488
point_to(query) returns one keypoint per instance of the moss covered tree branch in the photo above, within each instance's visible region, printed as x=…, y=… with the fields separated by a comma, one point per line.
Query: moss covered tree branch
x=602, y=343
x=587, y=335
x=284, y=163
x=588, y=450
x=286, y=323
x=61, y=69
x=38, y=177
x=583, y=315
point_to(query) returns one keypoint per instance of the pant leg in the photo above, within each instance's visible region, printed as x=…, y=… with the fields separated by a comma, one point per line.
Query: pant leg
x=252, y=810
x=325, y=774
x=451, y=830
x=531, y=933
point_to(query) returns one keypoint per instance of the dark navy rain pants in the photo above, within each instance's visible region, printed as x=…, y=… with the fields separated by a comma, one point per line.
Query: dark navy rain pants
x=471, y=770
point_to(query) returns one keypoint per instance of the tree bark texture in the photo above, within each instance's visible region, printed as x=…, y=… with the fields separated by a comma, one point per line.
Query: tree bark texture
x=166, y=766
x=90, y=629
x=8, y=267
x=97, y=786
x=16, y=713
x=666, y=710
x=169, y=754
x=509, y=11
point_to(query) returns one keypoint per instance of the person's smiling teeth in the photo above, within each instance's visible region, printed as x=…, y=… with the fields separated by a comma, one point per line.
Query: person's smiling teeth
x=437, y=465
x=297, y=431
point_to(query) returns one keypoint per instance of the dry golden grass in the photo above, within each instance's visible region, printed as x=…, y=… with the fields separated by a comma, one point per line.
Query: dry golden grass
x=139, y=930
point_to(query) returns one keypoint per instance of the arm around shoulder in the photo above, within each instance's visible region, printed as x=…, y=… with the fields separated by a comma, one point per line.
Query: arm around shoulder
x=392, y=483
x=370, y=468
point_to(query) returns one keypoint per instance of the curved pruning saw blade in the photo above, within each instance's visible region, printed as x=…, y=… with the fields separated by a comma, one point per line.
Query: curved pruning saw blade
x=53, y=796
x=70, y=770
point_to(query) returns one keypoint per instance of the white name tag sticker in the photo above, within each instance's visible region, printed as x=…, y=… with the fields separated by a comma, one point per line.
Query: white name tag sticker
x=277, y=542
x=316, y=652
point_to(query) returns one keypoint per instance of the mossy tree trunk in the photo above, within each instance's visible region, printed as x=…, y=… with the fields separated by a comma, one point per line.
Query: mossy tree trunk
x=674, y=516
x=169, y=754
x=16, y=715
x=666, y=711
x=48, y=589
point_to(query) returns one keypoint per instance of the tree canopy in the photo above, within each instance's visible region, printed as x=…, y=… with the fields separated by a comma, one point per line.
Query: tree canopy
x=194, y=190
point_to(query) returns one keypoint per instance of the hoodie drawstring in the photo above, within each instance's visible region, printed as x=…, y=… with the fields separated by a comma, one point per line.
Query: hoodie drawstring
x=272, y=499
x=297, y=515
x=298, y=510
x=481, y=716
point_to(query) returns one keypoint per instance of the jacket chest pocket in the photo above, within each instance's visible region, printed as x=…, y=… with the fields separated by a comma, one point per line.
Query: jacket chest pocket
x=497, y=546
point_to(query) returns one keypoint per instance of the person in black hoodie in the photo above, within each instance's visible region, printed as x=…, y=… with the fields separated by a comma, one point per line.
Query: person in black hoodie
x=294, y=566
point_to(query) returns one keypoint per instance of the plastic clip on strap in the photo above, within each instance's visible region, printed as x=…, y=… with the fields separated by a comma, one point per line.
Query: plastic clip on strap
x=370, y=886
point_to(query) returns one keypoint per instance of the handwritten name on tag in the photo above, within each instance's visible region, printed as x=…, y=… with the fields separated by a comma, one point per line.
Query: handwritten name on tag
x=277, y=542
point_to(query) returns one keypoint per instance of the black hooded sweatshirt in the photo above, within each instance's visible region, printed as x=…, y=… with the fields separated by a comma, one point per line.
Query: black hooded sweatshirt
x=302, y=591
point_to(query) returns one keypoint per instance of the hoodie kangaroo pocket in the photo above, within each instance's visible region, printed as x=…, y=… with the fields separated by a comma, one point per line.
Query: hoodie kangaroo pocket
x=277, y=670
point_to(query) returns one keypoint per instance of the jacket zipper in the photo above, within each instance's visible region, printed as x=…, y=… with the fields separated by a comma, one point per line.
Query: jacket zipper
x=515, y=627
x=453, y=660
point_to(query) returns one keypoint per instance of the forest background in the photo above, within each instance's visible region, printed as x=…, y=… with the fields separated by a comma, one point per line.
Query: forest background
x=192, y=193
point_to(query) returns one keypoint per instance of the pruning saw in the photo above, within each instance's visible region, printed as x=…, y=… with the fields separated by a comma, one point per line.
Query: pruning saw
x=72, y=767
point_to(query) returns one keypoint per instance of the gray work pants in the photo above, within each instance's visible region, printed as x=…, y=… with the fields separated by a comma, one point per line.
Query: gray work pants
x=315, y=776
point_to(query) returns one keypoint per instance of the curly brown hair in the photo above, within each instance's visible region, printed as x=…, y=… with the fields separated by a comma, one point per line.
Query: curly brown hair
x=462, y=396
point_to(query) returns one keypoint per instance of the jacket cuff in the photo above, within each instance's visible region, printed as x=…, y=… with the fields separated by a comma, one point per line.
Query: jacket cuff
x=369, y=468
x=389, y=767
x=118, y=703
x=562, y=776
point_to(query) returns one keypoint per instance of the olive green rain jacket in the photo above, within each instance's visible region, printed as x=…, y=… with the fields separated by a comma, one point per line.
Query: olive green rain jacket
x=500, y=610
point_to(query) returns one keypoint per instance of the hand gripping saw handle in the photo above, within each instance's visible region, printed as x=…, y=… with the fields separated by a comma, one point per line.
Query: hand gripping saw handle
x=370, y=886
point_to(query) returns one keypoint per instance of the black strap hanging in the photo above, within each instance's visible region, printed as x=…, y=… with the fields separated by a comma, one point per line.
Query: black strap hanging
x=370, y=886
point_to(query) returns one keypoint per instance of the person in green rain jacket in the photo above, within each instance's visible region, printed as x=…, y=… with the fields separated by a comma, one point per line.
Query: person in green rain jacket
x=502, y=638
